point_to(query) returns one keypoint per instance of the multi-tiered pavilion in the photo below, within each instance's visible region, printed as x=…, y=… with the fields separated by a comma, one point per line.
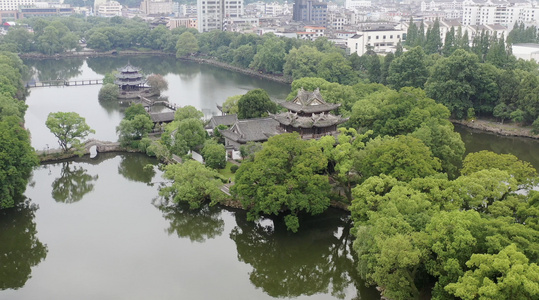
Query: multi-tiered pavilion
x=309, y=115
x=129, y=78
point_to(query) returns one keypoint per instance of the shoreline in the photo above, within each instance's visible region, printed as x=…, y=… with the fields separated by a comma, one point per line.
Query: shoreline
x=507, y=129
x=198, y=59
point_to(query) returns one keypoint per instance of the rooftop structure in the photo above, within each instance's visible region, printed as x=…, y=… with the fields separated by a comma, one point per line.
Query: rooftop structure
x=309, y=115
x=129, y=78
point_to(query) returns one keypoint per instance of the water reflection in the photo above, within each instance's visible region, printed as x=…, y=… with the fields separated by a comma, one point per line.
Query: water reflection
x=50, y=69
x=73, y=183
x=20, y=249
x=315, y=260
x=198, y=225
x=523, y=148
x=147, y=64
x=134, y=168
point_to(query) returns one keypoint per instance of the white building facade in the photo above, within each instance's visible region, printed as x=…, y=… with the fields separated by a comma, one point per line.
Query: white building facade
x=380, y=40
x=215, y=14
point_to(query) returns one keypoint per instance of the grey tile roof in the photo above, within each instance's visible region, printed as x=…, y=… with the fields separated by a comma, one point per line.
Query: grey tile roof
x=309, y=102
x=227, y=120
x=316, y=120
x=162, y=117
x=252, y=130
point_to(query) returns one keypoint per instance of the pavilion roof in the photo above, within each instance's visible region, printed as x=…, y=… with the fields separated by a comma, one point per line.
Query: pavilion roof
x=128, y=68
x=309, y=102
x=316, y=120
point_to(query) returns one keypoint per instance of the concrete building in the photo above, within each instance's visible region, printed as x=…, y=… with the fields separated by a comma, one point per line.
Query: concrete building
x=526, y=51
x=182, y=22
x=311, y=33
x=310, y=12
x=381, y=38
x=156, y=7
x=214, y=14
x=357, y=4
x=14, y=5
x=109, y=9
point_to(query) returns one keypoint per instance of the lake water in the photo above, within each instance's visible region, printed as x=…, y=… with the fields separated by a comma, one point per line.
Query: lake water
x=91, y=230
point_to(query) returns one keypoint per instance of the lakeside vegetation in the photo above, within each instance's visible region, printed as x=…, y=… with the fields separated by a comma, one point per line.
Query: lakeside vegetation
x=424, y=217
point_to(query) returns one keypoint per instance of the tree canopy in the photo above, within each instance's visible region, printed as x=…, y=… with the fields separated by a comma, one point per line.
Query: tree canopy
x=69, y=128
x=254, y=104
x=284, y=179
x=193, y=183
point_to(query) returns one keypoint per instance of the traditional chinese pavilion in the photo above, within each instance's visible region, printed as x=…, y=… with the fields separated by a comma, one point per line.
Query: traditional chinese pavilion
x=129, y=78
x=309, y=115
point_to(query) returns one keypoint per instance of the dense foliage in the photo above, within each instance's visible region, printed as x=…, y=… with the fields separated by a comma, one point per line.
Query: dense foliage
x=17, y=157
x=135, y=126
x=69, y=128
x=284, y=178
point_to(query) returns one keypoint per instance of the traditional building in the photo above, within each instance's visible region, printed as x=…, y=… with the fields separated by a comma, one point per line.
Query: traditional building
x=309, y=115
x=250, y=130
x=128, y=78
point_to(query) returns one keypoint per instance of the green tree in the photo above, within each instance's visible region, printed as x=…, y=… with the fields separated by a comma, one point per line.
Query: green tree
x=187, y=112
x=388, y=59
x=214, y=155
x=302, y=62
x=230, y=106
x=108, y=92
x=269, y=56
x=69, y=128
x=193, y=183
x=335, y=68
x=17, y=159
x=452, y=82
x=243, y=56
x=133, y=130
x=254, y=104
x=284, y=179
x=433, y=43
x=402, y=157
x=408, y=70
x=189, y=134
x=187, y=44
x=505, y=275
x=99, y=41
x=21, y=37
x=523, y=172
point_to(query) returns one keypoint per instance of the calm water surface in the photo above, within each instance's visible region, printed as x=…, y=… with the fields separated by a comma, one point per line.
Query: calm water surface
x=91, y=231
x=201, y=86
x=96, y=235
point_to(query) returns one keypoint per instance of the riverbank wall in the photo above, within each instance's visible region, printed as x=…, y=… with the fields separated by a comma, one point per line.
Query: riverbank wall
x=507, y=129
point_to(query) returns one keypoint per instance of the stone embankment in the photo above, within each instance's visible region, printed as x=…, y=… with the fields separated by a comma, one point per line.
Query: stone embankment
x=507, y=129
x=213, y=62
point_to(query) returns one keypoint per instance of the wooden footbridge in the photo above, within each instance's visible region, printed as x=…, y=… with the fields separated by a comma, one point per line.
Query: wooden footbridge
x=61, y=82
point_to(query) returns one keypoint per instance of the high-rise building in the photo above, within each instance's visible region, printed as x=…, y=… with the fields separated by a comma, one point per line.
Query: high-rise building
x=310, y=12
x=214, y=14
x=13, y=5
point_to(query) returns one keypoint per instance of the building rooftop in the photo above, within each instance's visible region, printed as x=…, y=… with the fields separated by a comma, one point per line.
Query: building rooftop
x=252, y=130
x=309, y=102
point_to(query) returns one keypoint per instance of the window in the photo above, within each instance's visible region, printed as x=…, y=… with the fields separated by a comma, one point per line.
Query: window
x=377, y=37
